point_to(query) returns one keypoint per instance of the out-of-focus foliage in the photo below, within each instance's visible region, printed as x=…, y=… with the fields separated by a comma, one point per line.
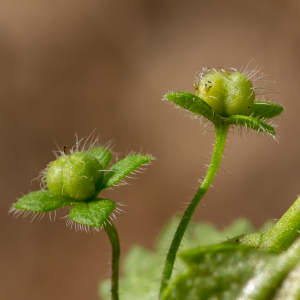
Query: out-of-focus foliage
x=142, y=268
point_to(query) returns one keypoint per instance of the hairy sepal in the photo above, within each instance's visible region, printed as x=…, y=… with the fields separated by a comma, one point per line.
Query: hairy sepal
x=252, y=123
x=123, y=168
x=191, y=103
x=266, y=110
x=92, y=213
x=41, y=201
x=102, y=154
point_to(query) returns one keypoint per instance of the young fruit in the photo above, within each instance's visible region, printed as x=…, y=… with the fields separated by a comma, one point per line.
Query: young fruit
x=77, y=176
x=226, y=93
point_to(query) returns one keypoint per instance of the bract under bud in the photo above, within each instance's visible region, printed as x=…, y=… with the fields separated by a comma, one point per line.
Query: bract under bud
x=226, y=93
x=77, y=176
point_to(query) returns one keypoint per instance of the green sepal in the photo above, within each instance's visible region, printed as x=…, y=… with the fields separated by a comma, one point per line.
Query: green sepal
x=124, y=167
x=266, y=110
x=191, y=103
x=102, y=154
x=251, y=123
x=41, y=201
x=93, y=212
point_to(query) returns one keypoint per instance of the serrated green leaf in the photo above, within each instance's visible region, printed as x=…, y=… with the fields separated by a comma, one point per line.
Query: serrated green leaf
x=92, y=213
x=251, y=123
x=266, y=110
x=102, y=154
x=41, y=201
x=123, y=168
x=191, y=103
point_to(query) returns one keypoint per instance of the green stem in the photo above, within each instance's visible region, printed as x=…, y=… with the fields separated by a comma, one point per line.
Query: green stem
x=284, y=232
x=221, y=134
x=115, y=243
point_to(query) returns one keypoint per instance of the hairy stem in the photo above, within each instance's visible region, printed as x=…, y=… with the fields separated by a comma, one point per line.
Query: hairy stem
x=115, y=243
x=221, y=134
x=284, y=232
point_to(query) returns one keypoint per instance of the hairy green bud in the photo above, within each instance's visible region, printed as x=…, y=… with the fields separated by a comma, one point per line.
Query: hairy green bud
x=226, y=93
x=78, y=176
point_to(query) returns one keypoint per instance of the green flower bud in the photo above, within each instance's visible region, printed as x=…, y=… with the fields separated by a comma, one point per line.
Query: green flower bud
x=77, y=176
x=240, y=95
x=226, y=93
x=211, y=89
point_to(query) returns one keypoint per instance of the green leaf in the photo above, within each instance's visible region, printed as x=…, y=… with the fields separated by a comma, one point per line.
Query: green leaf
x=41, y=201
x=269, y=277
x=251, y=123
x=141, y=272
x=191, y=103
x=217, y=272
x=230, y=272
x=124, y=167
x=290, y=289
x=266, y=110
x=102, y=154
x=198, y=256
x=92, y=213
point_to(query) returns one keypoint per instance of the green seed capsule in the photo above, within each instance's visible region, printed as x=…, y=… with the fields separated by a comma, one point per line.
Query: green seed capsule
x=78, y=176
x=226, y=93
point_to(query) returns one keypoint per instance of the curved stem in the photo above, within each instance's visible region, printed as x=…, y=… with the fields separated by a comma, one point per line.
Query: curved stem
x=115, y=243
x=221, y=134
x=284, y=232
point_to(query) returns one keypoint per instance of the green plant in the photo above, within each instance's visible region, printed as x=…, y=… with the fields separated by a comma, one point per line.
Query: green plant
x=229, y=93
x=75, y=180
x=254, y=265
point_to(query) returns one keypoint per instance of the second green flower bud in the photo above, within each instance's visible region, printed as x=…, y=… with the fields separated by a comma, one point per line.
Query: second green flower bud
x=227, y=93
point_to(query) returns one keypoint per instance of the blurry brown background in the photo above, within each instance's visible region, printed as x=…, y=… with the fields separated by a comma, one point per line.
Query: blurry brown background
x=75, y=66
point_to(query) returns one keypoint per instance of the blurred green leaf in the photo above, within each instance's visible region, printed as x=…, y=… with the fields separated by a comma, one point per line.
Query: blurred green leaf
x=123, y=168
x=142, y=268
x=41, y=201
x=230, y=271
x=93, y=212
x=216, y=272
x=141, y=275
x=266, y=110
x=290, y=288
x=270, y=277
